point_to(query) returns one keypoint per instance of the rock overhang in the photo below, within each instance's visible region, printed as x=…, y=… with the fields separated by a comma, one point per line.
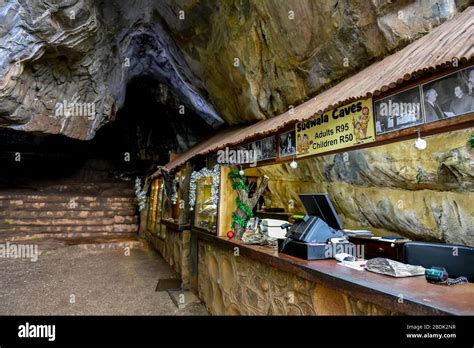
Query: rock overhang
x=86, y=51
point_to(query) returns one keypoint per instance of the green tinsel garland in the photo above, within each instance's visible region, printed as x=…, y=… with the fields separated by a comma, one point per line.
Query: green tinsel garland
x=239, y=184
x=238, y=220
x=236, y=175
x=471, y=140
x=244, y=207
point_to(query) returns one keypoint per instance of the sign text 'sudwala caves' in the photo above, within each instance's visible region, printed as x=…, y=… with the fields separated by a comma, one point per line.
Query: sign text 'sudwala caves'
x=346, y=126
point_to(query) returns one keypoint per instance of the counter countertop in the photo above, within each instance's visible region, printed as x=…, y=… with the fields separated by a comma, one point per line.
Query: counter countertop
x=419, y=296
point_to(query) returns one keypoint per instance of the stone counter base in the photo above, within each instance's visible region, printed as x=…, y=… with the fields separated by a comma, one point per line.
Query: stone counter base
x=238, y=285
x=175, y=248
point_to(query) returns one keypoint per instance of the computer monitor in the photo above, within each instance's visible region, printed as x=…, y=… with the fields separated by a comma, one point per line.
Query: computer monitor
x=319, y=204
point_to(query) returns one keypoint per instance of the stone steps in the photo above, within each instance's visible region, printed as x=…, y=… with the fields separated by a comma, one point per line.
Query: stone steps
x=127, y=228
x=88, y=186
x=111, y=192
x=69, y=210
x=69, y=221
x=12, y=198
x=91, y=241
x=26, y=237
x=72, y=213
x=69, y=205
x=105, y=189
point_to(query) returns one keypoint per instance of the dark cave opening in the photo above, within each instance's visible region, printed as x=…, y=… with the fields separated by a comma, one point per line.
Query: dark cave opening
x=151, y=125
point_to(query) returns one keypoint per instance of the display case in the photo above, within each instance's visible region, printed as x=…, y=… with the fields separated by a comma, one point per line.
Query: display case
x=171, y=203
x=155, y=203
x=205, y=215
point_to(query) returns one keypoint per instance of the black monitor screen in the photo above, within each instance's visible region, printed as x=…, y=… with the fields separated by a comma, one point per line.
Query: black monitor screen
x=319, y=204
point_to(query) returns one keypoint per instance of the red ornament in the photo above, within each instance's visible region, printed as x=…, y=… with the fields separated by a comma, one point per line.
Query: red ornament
x=230, y=234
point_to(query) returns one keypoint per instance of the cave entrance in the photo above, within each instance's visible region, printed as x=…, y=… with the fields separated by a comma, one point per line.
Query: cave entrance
x=54, y=184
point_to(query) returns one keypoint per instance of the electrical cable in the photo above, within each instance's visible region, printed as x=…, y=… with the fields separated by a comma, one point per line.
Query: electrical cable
x=458, y=280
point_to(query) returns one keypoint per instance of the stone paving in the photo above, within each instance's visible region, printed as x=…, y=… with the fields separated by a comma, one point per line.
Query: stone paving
x=88, y=279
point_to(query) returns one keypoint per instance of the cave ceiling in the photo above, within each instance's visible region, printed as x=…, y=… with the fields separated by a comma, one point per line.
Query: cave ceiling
x=230, y=62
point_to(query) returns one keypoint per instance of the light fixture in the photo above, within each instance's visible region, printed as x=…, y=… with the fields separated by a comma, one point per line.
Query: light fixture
x=420, y=143
x=294, y=164
x=241, y=171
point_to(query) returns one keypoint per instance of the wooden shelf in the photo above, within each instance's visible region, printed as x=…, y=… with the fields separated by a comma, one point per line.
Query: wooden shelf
x=175, y=226
x=204, y=231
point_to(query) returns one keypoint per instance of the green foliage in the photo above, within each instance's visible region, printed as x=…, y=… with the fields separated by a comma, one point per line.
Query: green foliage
x=236, y=175
x=244, y=207
x=239, y=184
x=238, y=220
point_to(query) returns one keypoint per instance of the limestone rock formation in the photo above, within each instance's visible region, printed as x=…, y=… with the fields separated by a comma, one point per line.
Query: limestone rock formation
x=391, y=189
x=65, y=66
x=77, y=56
x=236, y=61
x=275, y=53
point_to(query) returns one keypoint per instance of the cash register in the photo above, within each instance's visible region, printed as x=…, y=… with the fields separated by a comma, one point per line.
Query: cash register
x=313, y=236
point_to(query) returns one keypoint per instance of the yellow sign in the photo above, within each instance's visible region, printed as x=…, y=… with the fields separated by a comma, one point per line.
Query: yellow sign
x=346, y=126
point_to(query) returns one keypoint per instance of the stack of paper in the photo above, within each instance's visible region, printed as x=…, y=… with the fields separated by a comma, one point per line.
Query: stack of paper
x=357, y=265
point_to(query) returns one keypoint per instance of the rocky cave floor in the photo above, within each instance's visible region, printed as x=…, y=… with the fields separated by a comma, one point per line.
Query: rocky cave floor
x=97, y=276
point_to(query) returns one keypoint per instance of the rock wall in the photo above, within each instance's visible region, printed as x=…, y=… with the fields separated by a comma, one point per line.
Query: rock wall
x=83, y=53
x=256, y=58
x=237, y=285
x=377, y=188
x=234, y=61
x=175, y=247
